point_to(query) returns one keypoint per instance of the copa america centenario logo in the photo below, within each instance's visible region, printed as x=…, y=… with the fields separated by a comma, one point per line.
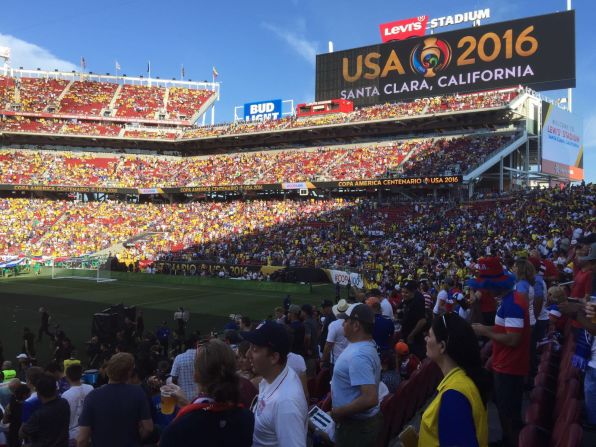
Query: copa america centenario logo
x=430, y=56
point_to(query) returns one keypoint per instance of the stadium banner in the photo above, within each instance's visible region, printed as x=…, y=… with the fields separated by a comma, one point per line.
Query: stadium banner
x=73, y=189
x=343, y=184
x=196, y=267
x=562, y=143
x=537, y=52
x=262, y=110
x=344, y=278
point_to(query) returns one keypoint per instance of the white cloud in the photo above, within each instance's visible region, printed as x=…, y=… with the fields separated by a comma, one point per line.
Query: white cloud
x=307, y=49
x=30, y=56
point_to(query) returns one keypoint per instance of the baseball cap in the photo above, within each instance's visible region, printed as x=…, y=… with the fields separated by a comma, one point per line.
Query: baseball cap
x=411, y=285
x=359, y=312
x=271, y=335
x=22, y=356
x=402, y=348
x=294, y=309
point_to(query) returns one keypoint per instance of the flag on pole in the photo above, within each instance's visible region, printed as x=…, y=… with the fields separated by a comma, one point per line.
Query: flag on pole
x=149, y=67
x=182, y=71
x=118, y=67
x=215, y=73
x=83, y=63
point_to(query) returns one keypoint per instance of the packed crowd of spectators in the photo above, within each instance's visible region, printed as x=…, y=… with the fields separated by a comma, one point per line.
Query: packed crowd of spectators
x=411, y=157
x=90, y=98
x=36, y=94
x=87, y=98
x=483, y=275
x=184, y=102
x=139, y=101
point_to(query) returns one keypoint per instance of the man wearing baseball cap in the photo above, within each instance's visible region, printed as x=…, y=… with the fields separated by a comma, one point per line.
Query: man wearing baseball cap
x=355, y=384
x=280, y=408
x=511, y=343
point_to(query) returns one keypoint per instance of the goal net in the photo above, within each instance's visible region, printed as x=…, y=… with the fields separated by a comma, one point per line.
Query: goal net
x=90, y=268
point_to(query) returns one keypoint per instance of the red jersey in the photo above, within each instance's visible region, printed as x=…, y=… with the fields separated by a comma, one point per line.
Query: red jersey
x=582, y=285
x=512, y=316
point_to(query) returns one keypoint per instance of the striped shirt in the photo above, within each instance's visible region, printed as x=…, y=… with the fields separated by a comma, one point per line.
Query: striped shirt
x=184, y=369
x=512, y=316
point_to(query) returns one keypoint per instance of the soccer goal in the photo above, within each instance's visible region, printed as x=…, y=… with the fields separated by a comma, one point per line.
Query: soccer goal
x=90, y=268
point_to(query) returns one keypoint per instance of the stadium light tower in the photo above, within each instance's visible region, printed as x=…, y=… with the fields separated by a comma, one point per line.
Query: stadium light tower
x=569, y=89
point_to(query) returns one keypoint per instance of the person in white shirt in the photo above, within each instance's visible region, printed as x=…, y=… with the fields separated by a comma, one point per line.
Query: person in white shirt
x=280, y=409
x=298, y=364
x=75, y=396
x=183, y=369
x=336, y=341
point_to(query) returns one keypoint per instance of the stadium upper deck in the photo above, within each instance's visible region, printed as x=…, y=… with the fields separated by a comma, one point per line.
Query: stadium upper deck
x=67, y=96
x=77, y=110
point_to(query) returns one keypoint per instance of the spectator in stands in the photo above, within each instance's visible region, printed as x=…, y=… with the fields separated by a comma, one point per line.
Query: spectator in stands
x=458, y=414
x=14, y=413
x=390, y=375
x=215, y=418
x=328, y=317
x=116, y=414
x=48, y=425
x=32, y=403
x=336, y=339
x=384, y=328
x=280, y=409
x=311, y=339
x=511, y=343
x=406, y=363
x=298, y=330
x=585, y=353
x=75, y=396
x=355, y=383
x=413, y=318
x=57, y=371
x=183, y=369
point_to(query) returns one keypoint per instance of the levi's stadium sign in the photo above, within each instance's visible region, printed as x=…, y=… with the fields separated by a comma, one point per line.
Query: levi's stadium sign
x=536, y=52
x=403, y=29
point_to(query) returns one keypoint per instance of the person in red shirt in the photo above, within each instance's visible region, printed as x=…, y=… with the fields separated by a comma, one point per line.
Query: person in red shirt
x=511, y=343
x=582, y=273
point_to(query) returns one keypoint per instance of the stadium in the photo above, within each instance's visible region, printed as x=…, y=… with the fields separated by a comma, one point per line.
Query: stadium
x=428, y=168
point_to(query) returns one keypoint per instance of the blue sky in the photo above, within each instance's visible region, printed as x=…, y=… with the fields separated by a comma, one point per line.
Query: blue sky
x=262, y=50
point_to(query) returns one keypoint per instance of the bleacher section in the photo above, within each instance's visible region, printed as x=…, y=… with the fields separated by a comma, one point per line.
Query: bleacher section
x=97, y=102
x=410, y=157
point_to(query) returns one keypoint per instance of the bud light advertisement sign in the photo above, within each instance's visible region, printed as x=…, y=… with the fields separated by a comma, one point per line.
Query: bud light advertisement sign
x=262, y=110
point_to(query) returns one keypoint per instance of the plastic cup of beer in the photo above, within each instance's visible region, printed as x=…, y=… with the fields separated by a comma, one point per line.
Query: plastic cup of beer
x=168, y=398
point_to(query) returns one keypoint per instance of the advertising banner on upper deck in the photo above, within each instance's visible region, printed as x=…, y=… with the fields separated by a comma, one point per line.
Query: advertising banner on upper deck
x=537, y=52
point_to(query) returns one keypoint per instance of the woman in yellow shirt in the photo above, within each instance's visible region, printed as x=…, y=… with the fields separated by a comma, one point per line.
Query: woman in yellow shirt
x=457, y=416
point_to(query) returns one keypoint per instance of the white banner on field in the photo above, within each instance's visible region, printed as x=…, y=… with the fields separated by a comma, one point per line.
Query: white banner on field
x=342, y=278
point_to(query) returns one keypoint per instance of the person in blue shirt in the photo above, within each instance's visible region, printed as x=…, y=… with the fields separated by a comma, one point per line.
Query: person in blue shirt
x=163, y=336
x=355, y=383
x=384, y=328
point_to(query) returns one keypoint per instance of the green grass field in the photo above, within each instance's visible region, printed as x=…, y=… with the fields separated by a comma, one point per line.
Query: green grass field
x=72, y=303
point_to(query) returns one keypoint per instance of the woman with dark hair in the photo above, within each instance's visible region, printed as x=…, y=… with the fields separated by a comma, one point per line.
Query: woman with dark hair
x=215, y=418
x=457, y=415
